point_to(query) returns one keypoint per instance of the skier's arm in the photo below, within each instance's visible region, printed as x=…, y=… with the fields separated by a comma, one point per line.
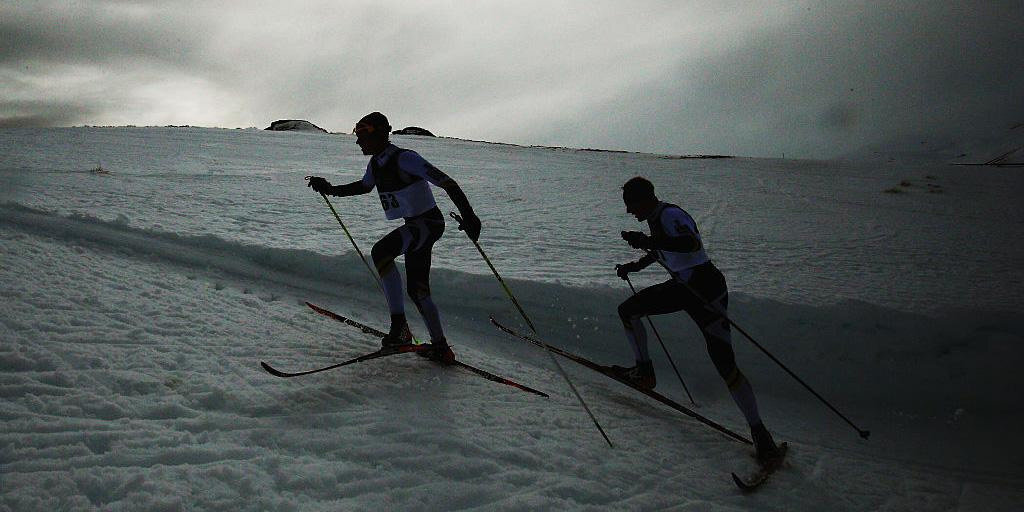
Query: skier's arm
x=678, y=237
x=349, y=189
x=646, y=260
x=413, y=163
x=458, y=197
x=685, y=242
x=634, y=266
x=470, y=222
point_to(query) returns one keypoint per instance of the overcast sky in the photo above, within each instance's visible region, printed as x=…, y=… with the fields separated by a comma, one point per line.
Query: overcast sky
x=805, y=78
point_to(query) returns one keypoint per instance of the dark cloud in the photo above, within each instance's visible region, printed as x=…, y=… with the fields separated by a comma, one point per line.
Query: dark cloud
x=38, y=114
x=98, y=33
x=838, y=77
x=815, y=79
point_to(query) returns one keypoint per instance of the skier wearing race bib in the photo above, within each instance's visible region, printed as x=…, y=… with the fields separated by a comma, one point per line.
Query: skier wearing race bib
x=696, y=286
x=402, y=179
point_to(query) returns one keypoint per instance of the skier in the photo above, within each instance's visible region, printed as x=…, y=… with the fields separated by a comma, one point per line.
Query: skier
x=401, y=177
x=675, y=242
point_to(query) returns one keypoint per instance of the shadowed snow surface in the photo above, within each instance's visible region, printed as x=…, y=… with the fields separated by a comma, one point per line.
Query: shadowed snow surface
x=137, y=304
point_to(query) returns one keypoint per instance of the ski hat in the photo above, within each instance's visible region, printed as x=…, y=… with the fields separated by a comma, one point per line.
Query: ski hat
x=638, y=189
x=371, y=123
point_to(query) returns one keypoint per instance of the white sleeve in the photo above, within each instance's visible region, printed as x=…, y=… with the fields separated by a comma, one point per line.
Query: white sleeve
x=412, y=163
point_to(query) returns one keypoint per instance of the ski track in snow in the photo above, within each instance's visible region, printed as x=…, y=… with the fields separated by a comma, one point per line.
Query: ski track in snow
x=130, y=380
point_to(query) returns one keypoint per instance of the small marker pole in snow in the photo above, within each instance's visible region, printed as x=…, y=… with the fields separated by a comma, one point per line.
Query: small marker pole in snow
x=547, y=348
x=663, y=347
x=350, y=239
x=863, y=433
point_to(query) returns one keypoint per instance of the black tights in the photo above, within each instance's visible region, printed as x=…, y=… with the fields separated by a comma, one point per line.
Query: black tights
x=672, y=296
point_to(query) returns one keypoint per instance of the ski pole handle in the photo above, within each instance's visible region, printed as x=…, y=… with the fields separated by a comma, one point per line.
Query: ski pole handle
x=457, y=217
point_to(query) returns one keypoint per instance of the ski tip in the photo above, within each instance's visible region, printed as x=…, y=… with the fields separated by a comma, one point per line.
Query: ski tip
x=747, y=486
x=271, y=370
x=762, y=475
x=739, y=481
x=750, y=486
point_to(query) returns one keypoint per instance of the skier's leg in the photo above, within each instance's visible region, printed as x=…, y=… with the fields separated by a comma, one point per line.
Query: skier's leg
x=708, y=310
x=719, y=342
x=657, y=300
x=417, y=268
x=384, y=253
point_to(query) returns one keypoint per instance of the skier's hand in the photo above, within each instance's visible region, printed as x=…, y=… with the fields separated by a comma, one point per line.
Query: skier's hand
x=637, y=240
x=319, y=184
x=627, y=268
x=471, y=225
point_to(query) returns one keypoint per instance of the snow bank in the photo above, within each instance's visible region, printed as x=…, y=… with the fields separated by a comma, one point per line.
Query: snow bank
x=130, y=380
x=854, y=352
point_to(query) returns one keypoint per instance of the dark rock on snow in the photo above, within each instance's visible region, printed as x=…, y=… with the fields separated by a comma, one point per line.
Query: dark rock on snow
x=298, y=125
x=413, y=130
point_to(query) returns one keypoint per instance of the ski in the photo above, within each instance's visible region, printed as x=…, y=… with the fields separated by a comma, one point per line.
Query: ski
x=345, y=320
x=605, y=370
x=754, y=481
x=400, y=349
x=414, y=347
x=497, y=378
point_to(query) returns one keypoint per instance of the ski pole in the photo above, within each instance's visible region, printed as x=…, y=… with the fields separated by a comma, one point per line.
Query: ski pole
x=547, y=348
x=350, y=239
x=663, y=347
x=863, y=433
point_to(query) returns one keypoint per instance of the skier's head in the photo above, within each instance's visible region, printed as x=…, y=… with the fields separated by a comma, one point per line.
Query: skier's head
x=372, y=133
x=638, y=194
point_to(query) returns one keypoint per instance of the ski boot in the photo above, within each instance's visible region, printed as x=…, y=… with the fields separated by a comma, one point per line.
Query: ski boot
x=439, y=352
x=768, y=453
x=399, y=334
x=641, y=375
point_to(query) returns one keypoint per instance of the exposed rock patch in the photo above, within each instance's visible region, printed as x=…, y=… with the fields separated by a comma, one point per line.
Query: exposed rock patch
x=414, y=130
x=297, y=125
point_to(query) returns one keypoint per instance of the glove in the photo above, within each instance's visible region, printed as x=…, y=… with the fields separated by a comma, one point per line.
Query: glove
x=471, y=225
x=320, y=185
x=637, y=240
x=626, y=268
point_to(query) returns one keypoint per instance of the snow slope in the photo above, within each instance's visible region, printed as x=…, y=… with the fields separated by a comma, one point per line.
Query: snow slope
x=130, y=378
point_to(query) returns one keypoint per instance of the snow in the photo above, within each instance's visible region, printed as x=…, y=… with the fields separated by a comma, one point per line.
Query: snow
x=136, y=304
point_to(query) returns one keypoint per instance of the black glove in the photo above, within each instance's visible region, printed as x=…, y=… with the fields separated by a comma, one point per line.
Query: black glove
x=471, y=225
x=637, y=240
x=320, y=185
x=626, y=268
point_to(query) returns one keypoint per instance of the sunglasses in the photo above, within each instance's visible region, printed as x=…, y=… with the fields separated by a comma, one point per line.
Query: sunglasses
x=364, y=129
